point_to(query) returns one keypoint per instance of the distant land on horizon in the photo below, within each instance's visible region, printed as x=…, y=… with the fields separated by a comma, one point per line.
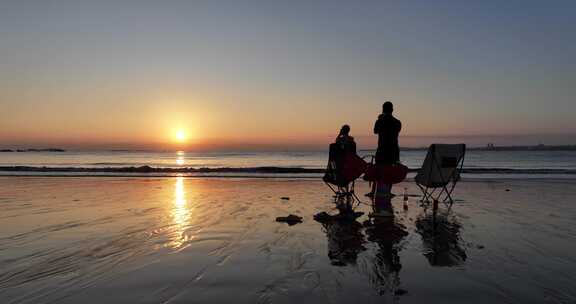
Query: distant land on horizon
x=540, y=147
x=33, y=150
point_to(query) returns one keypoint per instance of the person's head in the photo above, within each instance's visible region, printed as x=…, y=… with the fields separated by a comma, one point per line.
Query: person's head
x=345, y=130
x=387, y=108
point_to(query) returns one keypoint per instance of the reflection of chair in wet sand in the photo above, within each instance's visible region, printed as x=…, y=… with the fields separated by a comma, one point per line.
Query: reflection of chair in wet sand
x=441, y=239
x=440, y=172
x=345, y=238
x=385, y=272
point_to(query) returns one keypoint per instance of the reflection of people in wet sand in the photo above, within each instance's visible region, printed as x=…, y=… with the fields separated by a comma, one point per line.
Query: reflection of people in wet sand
x=441, y=239
x=344, y=233
x=346, y=241
x=386, y=271
x=388, y=234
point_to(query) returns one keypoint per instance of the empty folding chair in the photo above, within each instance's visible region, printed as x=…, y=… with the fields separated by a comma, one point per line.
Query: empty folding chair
x=441, y=171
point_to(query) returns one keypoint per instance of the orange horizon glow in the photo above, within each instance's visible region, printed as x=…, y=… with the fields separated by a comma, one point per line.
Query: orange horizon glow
x=187, y=121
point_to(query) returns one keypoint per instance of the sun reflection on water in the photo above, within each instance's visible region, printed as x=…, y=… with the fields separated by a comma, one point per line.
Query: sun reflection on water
x=180, y=213
x=180, y=160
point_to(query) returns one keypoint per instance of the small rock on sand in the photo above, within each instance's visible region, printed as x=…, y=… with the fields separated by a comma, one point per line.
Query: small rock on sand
x=290, y=219
x=285, y=198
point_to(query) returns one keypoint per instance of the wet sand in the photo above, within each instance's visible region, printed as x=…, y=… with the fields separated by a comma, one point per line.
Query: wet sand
x=194, y=240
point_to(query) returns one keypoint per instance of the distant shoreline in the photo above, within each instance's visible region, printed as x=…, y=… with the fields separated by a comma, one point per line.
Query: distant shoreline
x=500, y=148
x=32, y=150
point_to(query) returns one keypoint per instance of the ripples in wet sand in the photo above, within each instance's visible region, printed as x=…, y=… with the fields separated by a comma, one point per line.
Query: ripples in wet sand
x=181, y=240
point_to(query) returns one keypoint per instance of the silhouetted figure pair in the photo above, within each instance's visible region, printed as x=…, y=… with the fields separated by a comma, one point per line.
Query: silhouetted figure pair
x=387, y=127
x=344, y=165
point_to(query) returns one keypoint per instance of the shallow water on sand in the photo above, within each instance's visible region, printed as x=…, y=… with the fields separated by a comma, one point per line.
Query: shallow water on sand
x=193, y=240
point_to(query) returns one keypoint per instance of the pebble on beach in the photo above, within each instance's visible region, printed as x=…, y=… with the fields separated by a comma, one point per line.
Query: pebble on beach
x=290, y=219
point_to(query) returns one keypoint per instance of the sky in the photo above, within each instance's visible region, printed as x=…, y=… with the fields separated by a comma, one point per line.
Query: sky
x=262, y=74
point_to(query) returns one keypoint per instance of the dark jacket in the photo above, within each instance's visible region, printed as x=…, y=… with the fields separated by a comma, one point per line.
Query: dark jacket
x=387, y=127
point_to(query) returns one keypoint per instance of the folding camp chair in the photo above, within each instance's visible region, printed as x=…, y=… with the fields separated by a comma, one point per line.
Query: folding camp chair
x=441, y=171
x=342, y=170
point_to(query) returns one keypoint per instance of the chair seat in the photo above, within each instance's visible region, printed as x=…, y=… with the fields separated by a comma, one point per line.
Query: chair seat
x=430, y=184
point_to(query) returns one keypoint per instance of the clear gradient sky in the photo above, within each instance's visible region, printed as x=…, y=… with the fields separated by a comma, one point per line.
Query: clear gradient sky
x=275, y=73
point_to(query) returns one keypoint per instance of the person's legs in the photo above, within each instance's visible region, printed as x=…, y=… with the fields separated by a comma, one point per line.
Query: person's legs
x=379, y=158
x=383, y=200
x=384, y=156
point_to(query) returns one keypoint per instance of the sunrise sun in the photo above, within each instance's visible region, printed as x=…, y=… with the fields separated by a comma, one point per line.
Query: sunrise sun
x=180, y=136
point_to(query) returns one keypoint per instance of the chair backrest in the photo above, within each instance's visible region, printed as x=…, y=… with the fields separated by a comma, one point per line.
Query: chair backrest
x=334, y=170
x=443, y=164
x=344, y=165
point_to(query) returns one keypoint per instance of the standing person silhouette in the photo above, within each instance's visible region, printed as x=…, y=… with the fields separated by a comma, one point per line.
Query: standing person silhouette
x=388, y=153
x=387, y=127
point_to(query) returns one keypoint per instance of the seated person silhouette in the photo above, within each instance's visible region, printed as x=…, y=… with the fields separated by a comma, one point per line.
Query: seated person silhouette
x=344, y=165
x=345, y=141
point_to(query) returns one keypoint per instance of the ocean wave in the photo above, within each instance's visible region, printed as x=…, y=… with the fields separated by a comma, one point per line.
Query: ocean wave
x=263, y=169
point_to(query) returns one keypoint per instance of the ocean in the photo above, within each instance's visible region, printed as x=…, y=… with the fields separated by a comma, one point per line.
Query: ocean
x=477, y=162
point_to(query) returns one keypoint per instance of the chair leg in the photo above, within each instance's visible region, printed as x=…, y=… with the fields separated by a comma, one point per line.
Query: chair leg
x=437, y=197
x=445, y=196
x=448, y=196
x=431, y=194
x=426, y=193
x=331, y=188
x=423, y=190
x=351, y=191
x=426, y=197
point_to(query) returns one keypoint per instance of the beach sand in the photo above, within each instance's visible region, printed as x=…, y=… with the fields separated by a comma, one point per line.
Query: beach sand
x=215, y=240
